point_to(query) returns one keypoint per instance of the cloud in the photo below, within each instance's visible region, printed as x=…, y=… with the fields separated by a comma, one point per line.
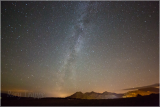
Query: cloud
x=144, y=87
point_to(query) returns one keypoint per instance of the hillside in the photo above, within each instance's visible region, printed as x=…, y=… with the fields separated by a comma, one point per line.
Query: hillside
x=94, y=95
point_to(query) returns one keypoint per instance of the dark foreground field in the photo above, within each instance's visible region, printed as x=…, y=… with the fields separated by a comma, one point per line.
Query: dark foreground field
x=151, y=100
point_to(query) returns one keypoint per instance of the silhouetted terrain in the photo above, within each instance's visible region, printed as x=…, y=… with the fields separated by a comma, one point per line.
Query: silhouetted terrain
x=94, y=95
x=150, y=100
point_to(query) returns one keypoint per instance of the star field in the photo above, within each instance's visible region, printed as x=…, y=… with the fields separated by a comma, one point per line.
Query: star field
x=59, y=48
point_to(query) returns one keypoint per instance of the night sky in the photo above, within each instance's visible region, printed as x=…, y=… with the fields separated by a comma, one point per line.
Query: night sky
x=59, y=48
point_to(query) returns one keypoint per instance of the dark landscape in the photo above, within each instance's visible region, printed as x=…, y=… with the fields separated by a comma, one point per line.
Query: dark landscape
x=149, y=100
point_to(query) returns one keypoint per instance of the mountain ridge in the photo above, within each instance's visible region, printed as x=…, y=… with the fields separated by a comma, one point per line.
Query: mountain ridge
x=95, y=95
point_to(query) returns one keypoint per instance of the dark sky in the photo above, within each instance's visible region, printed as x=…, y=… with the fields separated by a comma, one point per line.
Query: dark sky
x=59, y=48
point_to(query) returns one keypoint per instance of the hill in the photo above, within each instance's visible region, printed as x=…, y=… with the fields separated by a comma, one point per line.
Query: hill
x=94, y=95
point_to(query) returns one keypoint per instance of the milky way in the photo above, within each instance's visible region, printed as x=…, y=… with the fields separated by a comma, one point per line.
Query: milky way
x=73, y=46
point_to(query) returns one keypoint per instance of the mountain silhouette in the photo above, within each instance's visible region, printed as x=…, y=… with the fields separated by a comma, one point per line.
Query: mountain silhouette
x=94, y=95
